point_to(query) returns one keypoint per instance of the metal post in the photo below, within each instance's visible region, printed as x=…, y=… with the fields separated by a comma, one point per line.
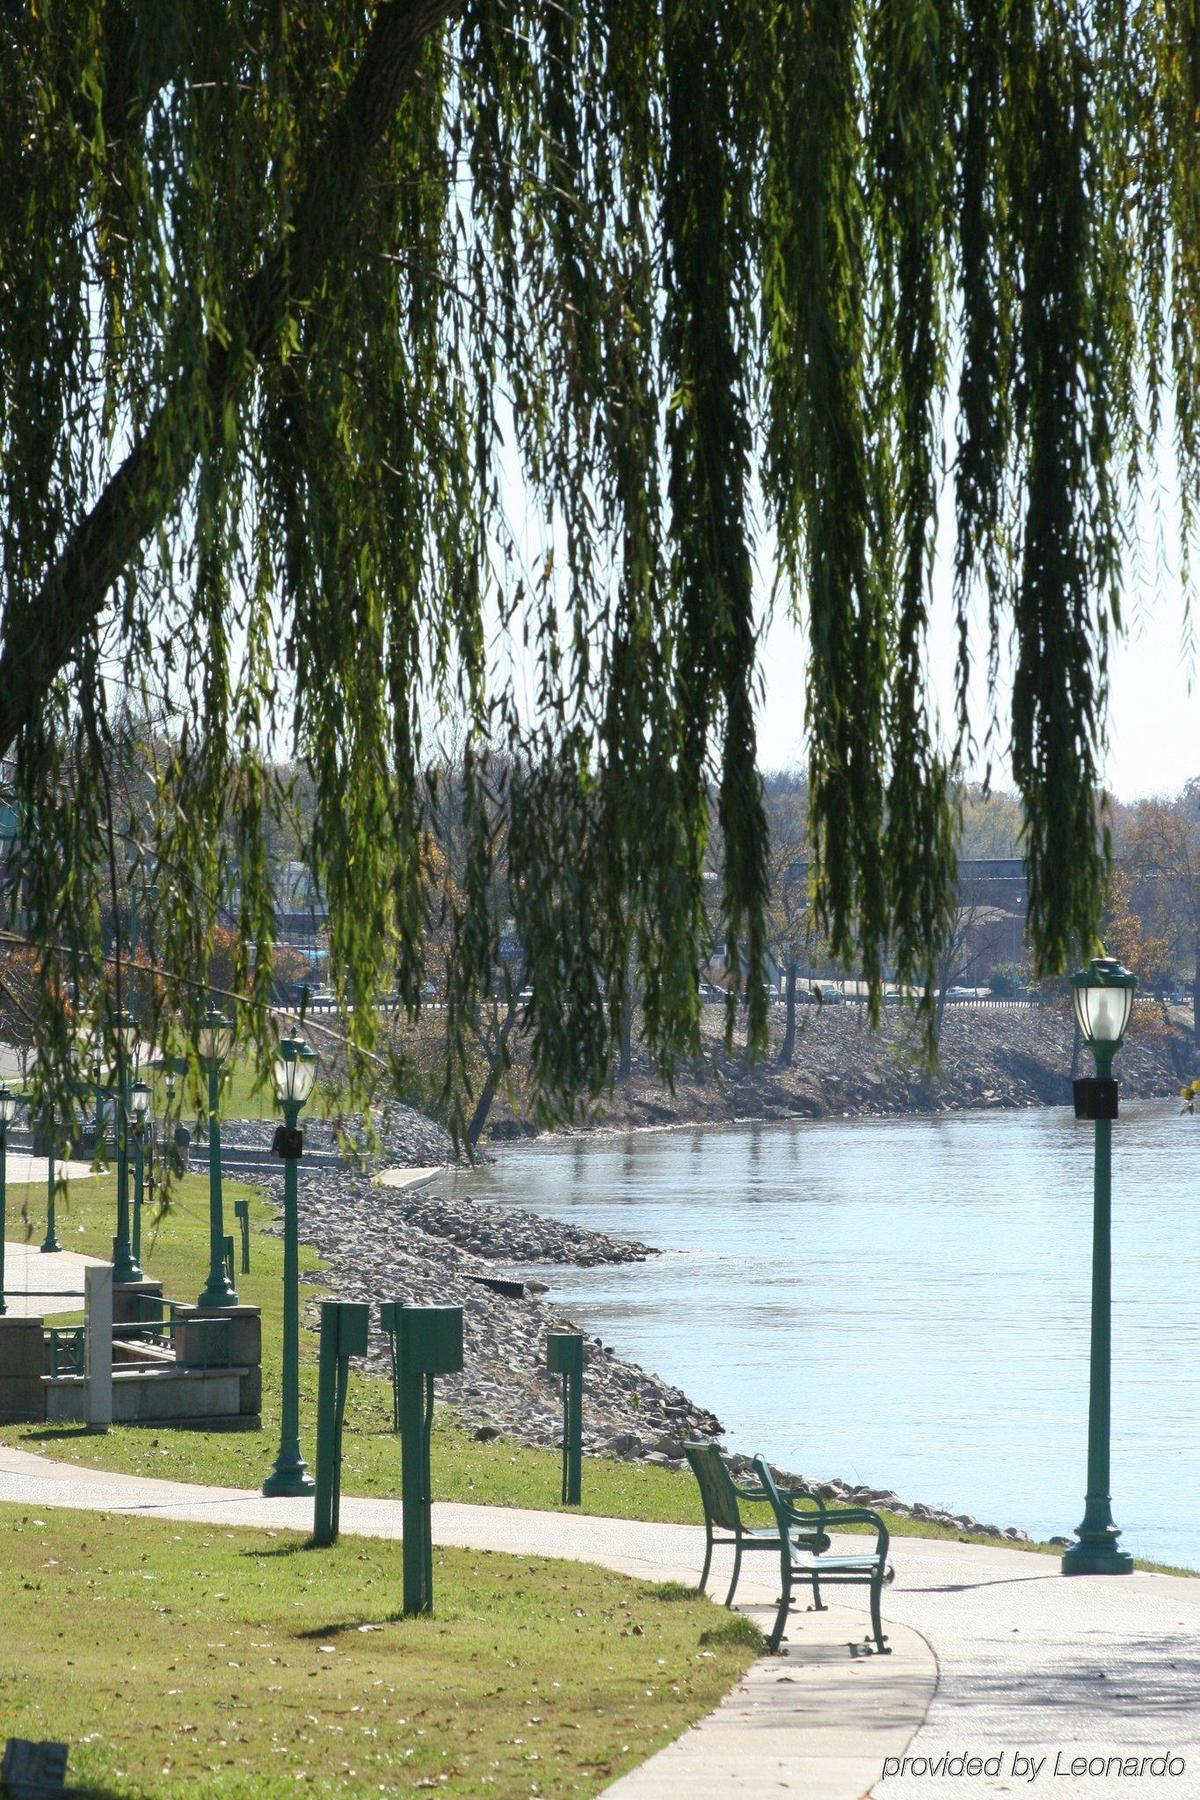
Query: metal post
x=344, y=1330
x=241, y=1212
x=290, y=1473
x=51, y=1242
x=429, y=1342
x=151, y=1169
x=573, y=1439
x=564, y=1356
x=1097, y=1553
x=138, y=1178
x=416, y=1400
x=218, y=1289
x=125, y=1264
x=325, y=1506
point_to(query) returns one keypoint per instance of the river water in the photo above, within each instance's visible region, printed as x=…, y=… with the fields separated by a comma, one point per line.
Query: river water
x=905, y=1302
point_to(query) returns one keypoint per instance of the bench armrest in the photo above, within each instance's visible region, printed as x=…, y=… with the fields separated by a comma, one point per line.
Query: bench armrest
x=860, y=1515
x=752, y=1493
x=787, y=1513
x=787, y=1498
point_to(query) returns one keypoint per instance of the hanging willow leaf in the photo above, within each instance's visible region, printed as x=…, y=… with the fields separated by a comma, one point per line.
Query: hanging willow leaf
x=375, y=377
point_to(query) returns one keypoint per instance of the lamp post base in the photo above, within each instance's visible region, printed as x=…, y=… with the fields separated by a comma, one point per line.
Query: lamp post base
x=51, y=1244
x=1100, y=1557
x=124, y=1264
x=289, y=1479
x=218, y=1293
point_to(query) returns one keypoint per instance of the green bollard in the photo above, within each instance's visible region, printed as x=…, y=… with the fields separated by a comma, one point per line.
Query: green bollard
x=428, y=1341
x=344, y=1327
x=564, y=1356
x=241, y=1212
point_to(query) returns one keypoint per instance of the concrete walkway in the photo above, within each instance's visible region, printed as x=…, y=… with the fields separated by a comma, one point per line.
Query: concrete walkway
x=37, y=1283
x=995, y=1655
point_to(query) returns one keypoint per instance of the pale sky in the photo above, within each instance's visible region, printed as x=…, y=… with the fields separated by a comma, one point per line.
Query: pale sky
x=1154, y=714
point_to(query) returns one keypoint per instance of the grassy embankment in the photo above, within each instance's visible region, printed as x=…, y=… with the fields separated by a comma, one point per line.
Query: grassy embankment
x=195, y=1660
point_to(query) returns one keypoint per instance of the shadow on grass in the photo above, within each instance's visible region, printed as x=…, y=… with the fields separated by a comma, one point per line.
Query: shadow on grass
x=340, y=1627
x=295, y=1546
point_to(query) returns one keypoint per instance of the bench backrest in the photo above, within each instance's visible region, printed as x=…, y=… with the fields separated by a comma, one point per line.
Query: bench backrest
x=716, y=1487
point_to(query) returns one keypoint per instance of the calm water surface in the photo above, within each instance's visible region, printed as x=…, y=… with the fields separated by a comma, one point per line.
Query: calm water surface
x=904, y=1302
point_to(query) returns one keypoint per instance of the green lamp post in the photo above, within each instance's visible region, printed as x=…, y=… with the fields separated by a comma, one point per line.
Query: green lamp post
x=215, y=1042
x=125, y=1267
x=1103, y=995
x=50, y=1244
x=9, y=1103
x=295, y=1073
x=139, y=1116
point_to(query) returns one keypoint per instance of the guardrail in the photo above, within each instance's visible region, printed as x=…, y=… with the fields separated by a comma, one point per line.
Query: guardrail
x=212, y=1349
x=214, y=1337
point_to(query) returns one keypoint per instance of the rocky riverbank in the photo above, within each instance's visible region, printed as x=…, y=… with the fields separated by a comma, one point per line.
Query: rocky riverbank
x=381, y=1242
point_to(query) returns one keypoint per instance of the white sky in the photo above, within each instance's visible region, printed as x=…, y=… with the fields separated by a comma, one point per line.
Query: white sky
x=1154, y=713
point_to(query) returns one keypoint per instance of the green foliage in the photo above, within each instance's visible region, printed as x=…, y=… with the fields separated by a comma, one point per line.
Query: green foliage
x=362, y=368
x=737, y=1629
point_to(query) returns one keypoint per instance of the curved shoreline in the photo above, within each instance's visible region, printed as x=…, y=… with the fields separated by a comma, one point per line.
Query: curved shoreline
x=399, y=1236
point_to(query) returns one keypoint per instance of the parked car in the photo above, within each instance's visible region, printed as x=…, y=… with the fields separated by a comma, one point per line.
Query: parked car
x=960, y=993
x=828, y=993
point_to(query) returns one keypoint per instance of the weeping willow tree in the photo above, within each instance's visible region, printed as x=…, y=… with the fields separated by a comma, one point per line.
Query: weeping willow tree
x=367, y=365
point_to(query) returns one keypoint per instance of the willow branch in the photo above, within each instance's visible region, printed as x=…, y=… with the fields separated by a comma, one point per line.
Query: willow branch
x=42, y=637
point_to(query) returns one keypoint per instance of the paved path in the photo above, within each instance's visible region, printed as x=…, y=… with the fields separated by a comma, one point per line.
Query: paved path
x=1028, y=1667
x=37, y=1283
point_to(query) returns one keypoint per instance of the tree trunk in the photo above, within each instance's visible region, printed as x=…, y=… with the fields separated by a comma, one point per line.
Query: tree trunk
x=787, y=1049
x=43, y=636
x=497, y=1062
x=1196, y=994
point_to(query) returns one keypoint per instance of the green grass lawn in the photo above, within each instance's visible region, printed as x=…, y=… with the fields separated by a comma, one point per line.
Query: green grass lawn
x=197, y=1660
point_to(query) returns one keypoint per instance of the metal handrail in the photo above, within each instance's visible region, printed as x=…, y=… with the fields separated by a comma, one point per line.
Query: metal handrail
x=214, y=1345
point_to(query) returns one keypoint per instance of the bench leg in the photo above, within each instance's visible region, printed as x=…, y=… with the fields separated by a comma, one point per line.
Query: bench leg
x=737, y=1567
x=785, y=1596
x=708, y=1550
x=818, y=1603
x=876, y=1621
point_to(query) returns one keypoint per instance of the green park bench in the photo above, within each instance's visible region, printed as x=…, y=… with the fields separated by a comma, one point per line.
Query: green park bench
x=723, y=1500
x=799, y=1538
x=804, y=1530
